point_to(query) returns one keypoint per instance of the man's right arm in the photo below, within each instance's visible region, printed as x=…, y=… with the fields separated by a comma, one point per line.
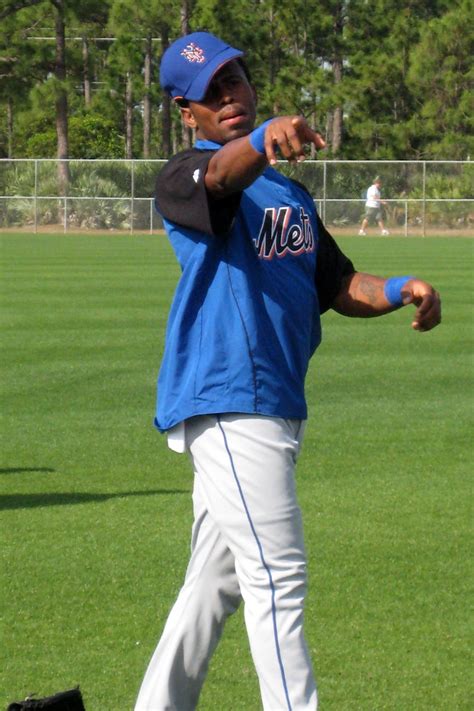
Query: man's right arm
x=238, y=163
x=201, y=189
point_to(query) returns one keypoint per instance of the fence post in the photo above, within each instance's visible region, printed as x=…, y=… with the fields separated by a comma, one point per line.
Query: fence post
x=424, y=199
x=324, y=191
x=36, y=197
x=151, y=215
x=133, y=196
x=65, y=214
x=406, y=218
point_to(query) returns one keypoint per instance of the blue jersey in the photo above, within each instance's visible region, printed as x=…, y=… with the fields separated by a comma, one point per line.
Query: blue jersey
x=245, y=318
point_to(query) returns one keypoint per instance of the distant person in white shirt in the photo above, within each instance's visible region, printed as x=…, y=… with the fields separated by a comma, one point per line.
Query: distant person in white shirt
x=373, y=208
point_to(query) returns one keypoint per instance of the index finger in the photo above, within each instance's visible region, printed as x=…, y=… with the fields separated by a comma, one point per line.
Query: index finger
x=310, y=135
x=318, y=141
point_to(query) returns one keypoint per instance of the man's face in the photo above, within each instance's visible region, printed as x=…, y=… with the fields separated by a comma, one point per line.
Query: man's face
x=228, y=110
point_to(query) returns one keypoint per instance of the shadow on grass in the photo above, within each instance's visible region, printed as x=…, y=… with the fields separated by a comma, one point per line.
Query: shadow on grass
x=22, y=470
x=31, y=501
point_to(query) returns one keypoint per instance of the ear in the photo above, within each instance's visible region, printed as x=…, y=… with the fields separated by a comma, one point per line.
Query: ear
x=188, y=117
x=254, y=93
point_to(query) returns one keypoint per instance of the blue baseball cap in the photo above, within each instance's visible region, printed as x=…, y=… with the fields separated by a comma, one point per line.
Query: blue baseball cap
x=189, y=64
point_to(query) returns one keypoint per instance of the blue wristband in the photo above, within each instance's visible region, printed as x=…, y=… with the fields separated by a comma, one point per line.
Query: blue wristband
x=257, y=137
x=393, y=289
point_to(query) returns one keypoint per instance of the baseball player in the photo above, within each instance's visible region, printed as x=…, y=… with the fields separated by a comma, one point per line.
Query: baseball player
x=373, y=208
x=258, y=269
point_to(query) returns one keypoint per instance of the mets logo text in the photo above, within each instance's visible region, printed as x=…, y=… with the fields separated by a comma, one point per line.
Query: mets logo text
x=277, y=237
x=193, y=53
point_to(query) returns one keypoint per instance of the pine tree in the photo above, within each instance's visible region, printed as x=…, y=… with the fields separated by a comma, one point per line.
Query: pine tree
x=441, y=76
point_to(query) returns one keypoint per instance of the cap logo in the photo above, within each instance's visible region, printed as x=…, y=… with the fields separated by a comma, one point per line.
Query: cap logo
x=193, y=53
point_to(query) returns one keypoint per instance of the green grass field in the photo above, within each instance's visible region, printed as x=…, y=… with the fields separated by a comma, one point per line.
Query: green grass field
x=96, y=511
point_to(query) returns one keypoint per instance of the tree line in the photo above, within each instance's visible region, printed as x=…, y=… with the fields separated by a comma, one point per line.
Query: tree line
x=386, y=79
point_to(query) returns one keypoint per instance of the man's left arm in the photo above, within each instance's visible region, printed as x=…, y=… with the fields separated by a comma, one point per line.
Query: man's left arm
x=364, y=295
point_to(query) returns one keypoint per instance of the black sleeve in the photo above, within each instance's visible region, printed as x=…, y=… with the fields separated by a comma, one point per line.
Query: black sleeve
x=181, y=195
x=332, y=266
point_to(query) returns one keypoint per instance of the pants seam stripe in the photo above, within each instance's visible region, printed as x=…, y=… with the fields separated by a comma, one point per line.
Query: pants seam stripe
x=264, y=563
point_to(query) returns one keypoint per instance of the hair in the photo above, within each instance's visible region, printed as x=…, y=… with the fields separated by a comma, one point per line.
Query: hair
x=184, y=103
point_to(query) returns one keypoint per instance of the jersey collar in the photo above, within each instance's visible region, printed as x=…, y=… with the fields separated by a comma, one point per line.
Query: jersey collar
x=203, y=144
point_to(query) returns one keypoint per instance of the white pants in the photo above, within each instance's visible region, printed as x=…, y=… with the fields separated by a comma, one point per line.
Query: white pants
x=247, y=542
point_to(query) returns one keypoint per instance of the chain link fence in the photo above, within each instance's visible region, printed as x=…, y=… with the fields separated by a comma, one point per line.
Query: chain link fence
x=422, y=197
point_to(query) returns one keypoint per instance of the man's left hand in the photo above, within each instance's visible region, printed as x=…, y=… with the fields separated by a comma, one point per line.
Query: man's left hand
x=427, y=301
